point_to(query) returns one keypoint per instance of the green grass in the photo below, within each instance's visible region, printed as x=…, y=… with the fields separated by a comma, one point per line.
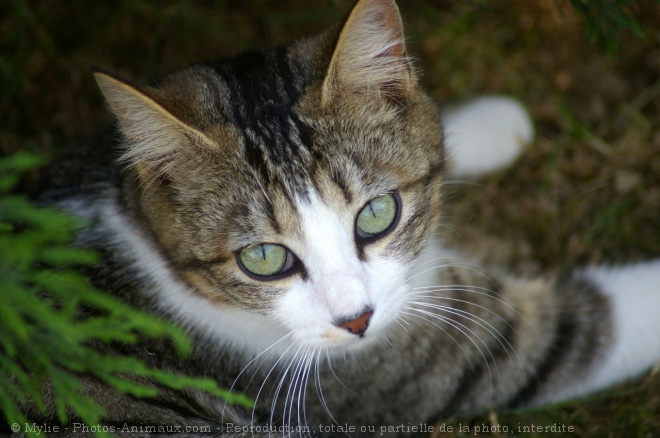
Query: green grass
x=587, y=191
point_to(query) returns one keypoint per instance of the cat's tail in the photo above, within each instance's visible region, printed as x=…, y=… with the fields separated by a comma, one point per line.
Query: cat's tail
x=598, y=327
x=632, y=334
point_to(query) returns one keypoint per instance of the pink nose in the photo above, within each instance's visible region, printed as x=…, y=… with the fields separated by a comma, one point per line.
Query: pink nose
x=358, y=325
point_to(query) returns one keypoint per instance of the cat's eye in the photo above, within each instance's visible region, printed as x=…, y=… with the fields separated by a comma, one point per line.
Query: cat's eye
x=377, y=217
x=265, y=260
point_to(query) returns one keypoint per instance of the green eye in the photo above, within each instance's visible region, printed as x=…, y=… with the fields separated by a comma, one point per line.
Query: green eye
x=265, y=259
x=377, y=216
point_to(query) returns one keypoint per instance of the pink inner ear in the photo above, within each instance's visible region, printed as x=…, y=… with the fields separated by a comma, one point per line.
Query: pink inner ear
x=370, y=55
x=389, y=17
x=396, y=51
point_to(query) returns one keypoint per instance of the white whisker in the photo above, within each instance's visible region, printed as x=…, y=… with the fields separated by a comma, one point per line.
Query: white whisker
x=459, y=326
x=458, y=300
x=319, y=390
x=262, y=361
x=496, y=334
x=294, y=382
x=441, y=328
x=421, y=265
x=254, y=373
x=263, y=383
x=477, y=290
x=282, y=378
x=327, y=355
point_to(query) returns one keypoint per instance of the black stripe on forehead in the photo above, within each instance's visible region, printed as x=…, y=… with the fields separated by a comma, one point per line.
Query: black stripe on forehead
x=263, y=89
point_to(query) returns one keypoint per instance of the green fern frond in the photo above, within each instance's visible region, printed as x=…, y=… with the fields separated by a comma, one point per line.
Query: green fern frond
x=42, y=337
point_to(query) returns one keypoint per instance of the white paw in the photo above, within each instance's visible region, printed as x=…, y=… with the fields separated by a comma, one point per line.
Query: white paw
x=486, y=134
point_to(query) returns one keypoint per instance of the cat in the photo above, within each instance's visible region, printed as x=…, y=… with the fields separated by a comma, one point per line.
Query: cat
x=281, y=207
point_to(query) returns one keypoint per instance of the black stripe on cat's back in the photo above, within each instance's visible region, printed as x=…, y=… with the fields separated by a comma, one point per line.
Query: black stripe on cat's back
x=500, y=348
x=554, y=356
x=581, y=336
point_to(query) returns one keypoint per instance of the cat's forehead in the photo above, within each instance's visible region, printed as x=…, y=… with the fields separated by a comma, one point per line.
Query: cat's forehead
x=258, y=107
x=264, y=110
x=248, y=105
x=249, y=89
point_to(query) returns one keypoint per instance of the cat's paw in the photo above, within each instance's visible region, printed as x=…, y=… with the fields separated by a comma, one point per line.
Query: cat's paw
x=486, y=134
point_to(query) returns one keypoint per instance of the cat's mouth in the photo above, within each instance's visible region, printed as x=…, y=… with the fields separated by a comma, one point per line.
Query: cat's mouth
x=363, y=329
x=340, y=341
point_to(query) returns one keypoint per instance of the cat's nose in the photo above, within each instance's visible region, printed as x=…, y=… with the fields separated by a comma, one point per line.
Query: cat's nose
x=358, y=325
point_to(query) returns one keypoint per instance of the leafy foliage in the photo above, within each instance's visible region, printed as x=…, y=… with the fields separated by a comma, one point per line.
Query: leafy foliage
x=604, y=19
x=42, y=337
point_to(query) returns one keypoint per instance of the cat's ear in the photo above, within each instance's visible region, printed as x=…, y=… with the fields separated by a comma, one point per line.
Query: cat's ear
x=370, y=54
x=159, y=145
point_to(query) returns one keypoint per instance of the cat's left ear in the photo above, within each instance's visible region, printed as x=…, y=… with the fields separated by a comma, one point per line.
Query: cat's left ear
x=370, y=54
x=160, y=146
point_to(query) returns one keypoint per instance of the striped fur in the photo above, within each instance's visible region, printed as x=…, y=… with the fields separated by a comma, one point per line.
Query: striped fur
x=287, y=146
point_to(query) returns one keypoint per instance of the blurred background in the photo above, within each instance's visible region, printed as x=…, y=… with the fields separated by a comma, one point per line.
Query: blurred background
x=587, y=190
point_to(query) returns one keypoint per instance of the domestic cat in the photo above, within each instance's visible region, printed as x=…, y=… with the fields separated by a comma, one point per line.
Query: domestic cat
x=281, y=206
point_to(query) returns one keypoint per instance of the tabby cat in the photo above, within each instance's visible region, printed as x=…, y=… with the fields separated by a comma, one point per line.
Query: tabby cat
x=281, y=206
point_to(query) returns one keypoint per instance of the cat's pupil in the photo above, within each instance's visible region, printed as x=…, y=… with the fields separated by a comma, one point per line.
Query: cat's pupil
x=377, y=217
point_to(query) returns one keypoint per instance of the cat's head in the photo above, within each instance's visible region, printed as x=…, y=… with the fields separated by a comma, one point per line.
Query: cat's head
x=294, y=187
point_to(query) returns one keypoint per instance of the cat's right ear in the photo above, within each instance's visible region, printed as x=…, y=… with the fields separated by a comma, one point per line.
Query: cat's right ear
x=370, y=54
x=156, y=140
